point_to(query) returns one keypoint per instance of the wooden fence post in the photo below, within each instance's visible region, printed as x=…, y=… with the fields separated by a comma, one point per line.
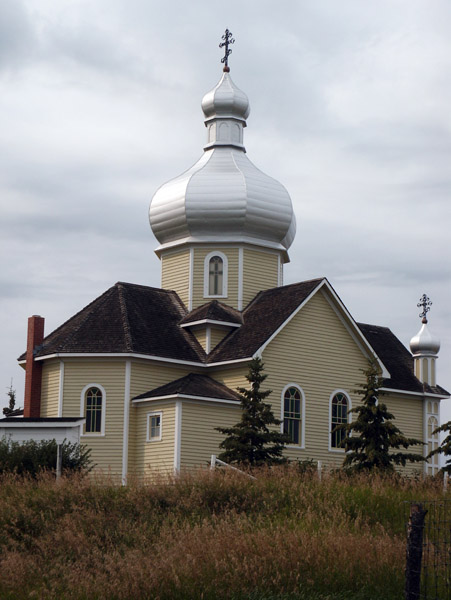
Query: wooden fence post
x=414, y=551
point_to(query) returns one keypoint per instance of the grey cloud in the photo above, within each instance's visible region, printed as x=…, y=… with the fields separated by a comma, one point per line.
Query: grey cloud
x=17, y=38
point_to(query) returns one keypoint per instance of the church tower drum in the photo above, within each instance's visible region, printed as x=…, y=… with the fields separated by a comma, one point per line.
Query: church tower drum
x=224, y=227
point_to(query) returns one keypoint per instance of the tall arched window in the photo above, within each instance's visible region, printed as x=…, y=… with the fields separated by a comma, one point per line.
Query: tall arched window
x=93, y=409
x=215, y=275
x=339, y=410
x=292, y=413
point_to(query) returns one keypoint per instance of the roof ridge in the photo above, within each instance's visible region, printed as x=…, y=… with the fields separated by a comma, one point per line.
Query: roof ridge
x=142, y=286
x=124, y=313
x=282, y=287
x=372, y=325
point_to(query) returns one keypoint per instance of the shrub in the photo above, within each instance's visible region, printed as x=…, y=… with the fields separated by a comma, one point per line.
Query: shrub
x=32, y=457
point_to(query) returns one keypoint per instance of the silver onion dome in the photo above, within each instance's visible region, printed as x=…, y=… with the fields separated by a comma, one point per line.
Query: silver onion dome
x=424, y=342
x=223, y=197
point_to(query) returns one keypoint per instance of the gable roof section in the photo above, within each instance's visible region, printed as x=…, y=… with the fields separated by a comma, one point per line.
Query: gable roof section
x=213, y=311
x=127, y=318
x=193, y=385
x=398, y=360
x=261, y=318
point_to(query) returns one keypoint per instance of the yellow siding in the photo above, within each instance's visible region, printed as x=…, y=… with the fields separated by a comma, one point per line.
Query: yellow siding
x=201, y=336
x=408, y=413
x=316, y=352
x=260, y=272
x=50, y=389
x=175, y=273
x=146, y=376
x=158, y=456
x=106, y=450
x=217, y=334
x=199, y=440
x=232, y=277
x=232, y=378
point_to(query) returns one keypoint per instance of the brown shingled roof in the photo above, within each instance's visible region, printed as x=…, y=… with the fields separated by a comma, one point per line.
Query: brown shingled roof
x=127, y=318
x=193, y=385
x=138, y=319
x=215, y=311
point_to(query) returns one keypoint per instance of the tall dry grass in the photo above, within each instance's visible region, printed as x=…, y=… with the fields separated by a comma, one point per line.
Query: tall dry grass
x=206, y=535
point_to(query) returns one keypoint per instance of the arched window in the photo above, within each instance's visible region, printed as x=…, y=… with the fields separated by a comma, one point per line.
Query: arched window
x=93, y=409
x=215, y=275
x=339, y=410
x=292, y=413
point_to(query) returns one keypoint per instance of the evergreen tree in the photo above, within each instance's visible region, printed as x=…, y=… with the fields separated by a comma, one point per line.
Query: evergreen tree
x=445, y=446
x=370, y=439
x=251, y=441
x=11, y=408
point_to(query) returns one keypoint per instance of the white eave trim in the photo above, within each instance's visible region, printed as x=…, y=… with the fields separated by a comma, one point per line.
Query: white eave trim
x=211, y=322
x=200, y=365
x=43, y=423
x=187, y=397
x=420, y=394
x=124, y=355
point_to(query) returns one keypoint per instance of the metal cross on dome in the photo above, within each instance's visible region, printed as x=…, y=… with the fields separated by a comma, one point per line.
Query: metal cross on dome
x=426, y=304
x=228, y=39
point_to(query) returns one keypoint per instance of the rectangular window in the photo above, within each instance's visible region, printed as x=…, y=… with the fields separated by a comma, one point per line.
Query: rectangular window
x=154, y=426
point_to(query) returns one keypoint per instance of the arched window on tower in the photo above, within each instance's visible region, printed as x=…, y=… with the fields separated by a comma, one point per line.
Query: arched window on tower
x=215, y=276
x=215, y=279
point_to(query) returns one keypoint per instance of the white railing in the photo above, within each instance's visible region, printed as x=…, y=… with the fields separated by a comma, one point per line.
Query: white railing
x=215, y=461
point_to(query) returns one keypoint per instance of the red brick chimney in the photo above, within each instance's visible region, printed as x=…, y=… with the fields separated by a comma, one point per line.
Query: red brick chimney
x=33, y=369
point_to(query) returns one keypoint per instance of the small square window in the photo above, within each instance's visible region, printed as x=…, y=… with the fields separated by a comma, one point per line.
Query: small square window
x=154, y=427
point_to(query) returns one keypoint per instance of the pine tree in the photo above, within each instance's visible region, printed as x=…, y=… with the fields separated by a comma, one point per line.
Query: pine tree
x=371, y=438
x=445, y=446
x=251, y=442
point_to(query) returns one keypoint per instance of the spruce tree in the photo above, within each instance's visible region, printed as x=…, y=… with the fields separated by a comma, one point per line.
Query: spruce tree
x=445, y=446
x=372, y=437
x=252, y=442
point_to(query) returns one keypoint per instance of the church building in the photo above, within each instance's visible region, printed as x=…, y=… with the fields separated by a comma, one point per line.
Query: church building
x=147, y=374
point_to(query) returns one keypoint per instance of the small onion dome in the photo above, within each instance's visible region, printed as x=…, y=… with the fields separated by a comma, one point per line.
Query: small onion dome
x=226, y=100
x=424, y=342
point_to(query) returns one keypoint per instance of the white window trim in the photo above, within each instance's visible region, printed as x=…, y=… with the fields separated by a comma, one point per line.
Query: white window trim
x=225, y=264
x=331, y=397
x=435, y=408
x=156, y=413
x=83, y=408
x=300, y=446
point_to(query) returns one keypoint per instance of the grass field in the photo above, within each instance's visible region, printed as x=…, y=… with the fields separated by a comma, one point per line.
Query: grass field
x=207, y=535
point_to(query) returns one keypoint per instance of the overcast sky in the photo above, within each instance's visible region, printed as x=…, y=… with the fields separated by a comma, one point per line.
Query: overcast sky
x=350, y=110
